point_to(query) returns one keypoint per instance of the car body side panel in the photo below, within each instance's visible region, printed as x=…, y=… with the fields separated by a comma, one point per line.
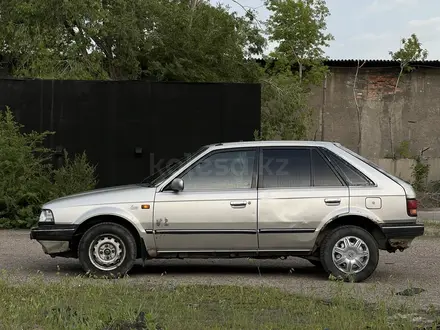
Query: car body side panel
x=138, y=217
x=141, y=219
x=385, y=201
x=288, y=219
x=385, y=208
x=206, y=221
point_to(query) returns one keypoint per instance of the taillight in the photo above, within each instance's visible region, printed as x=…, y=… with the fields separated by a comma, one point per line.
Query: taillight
x=411, y=207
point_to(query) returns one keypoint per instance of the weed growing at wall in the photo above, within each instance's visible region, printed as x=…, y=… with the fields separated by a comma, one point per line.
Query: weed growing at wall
x=420, y=174
x=402, y=150
x=27, y=178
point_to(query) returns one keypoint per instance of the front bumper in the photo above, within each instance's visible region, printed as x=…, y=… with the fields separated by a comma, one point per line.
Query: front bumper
x=54, y=238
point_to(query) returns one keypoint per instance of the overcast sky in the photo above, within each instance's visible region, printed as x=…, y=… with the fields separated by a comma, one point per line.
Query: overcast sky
x=368, y=29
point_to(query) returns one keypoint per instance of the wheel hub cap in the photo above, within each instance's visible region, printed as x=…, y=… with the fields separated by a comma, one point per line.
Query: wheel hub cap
x=350, y=254
x=107, y=252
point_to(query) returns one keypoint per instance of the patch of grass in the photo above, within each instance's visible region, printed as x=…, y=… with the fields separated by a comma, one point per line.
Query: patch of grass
x=77, y=303
x=432, y=228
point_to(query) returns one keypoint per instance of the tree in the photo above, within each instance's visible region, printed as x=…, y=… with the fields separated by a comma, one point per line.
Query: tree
x=203, y=43
x=411, y=50
x=281, y=115
x=75, y=39
x=185, y=40
x=298, y=26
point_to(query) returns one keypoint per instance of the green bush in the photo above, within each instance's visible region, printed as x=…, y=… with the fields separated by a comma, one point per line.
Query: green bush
x=27, y=177
x=74, y=176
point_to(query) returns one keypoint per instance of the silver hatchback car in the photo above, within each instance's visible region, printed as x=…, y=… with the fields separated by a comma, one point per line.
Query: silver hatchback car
x=273, y=199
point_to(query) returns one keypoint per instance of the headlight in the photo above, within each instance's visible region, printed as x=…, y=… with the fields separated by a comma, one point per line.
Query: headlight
x=46, y=216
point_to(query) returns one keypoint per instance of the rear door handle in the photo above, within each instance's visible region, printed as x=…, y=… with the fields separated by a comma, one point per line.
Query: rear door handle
x=332, y=202
x=240, y=204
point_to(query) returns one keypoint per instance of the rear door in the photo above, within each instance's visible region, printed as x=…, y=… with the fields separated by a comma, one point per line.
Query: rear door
x=297, y=191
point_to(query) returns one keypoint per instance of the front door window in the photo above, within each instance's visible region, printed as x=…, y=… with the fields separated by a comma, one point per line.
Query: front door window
x=222, y=171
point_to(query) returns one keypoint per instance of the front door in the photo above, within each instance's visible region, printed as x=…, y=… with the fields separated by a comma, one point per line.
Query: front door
x=217, y=209
x=298, y=190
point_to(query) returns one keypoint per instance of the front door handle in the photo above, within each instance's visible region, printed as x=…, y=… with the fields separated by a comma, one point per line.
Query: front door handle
x=332, y=202
x=240, y=204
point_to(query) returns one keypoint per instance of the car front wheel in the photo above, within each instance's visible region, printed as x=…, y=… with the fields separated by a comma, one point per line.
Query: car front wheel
x=107, y=249
x=350, y=253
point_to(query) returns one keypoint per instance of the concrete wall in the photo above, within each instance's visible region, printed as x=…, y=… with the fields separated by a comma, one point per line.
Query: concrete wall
x=414, y=110
x=403, y=168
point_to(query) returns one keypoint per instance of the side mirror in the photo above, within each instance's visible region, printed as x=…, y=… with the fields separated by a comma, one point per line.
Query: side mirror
x=177, y=185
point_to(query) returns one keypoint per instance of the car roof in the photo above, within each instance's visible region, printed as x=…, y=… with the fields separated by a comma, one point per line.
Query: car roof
x=272, y=143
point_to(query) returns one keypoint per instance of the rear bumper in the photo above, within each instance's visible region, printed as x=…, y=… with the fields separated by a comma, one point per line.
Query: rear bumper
x=402, y=230
x=399, y=235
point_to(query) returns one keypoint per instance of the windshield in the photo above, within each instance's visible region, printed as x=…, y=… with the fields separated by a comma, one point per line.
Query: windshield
x=160, y=175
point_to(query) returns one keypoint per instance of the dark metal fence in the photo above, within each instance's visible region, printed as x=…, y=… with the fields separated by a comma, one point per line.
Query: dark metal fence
x=128, y=127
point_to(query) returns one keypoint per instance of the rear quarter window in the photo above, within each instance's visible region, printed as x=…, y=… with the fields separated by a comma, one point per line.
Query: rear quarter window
x=351, y=174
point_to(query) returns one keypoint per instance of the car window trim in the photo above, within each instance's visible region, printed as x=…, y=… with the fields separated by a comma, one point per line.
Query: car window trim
x=344, y=183
x=260, y=174
x=332, y=168
x=370, y=182
x=213, y=152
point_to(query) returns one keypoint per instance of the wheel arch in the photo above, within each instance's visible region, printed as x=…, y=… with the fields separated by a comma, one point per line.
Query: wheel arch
x=94, y=220
x=354, y=220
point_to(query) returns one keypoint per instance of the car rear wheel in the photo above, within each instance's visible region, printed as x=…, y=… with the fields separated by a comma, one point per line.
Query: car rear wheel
x=107, y=249
x=350, y=253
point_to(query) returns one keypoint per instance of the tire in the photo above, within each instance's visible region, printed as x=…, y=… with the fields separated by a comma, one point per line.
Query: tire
x=364, y=259
x=112, y=240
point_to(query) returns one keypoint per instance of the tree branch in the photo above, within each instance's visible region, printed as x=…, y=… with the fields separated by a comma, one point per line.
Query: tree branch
x=358, y=110
x=277, y=88
x=260, y=23
x=391, y=112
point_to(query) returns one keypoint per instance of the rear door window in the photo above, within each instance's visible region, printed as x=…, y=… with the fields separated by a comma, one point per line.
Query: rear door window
x=323, y=174
x=285, y=168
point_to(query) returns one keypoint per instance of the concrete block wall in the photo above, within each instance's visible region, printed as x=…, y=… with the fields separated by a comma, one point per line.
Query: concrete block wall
x=359, y=118
x=403, y=168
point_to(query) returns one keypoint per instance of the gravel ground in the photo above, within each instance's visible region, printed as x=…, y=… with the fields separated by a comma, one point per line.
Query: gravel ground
x=417, y=267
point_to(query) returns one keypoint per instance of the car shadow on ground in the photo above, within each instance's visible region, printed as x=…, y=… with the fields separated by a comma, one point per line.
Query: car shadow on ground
x=200, y=269
x=185, y=268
